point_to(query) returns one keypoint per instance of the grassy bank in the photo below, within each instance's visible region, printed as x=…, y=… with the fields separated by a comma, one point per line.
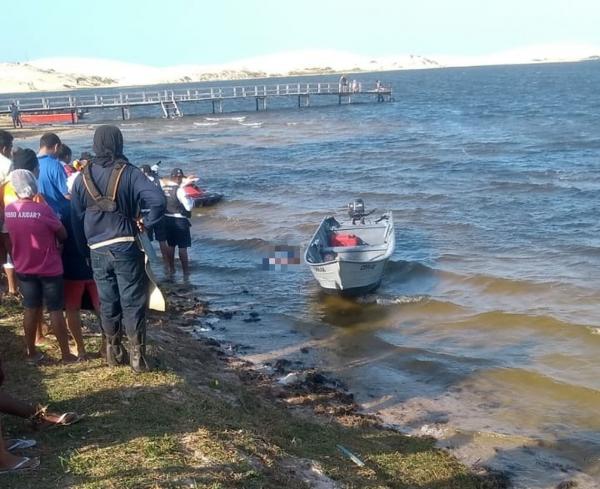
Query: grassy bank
x=199, y=421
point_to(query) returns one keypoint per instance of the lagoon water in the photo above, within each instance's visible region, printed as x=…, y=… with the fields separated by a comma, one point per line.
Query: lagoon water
x=486, y=329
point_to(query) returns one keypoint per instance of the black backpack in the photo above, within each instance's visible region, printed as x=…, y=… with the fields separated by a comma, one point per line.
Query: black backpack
x=106, y=203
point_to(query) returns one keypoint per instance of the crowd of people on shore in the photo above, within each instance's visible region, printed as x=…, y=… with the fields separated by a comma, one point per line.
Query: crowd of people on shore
x=70, y=240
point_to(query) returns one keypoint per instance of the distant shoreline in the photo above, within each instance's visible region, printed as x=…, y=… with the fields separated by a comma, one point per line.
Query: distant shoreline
x=24, y=78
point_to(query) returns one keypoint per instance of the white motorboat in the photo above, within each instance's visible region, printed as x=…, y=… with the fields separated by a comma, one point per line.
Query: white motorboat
x=350, y=256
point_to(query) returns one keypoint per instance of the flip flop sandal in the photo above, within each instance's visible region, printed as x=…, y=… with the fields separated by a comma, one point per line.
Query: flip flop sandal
x=24, y=465
x=39, y=421
x=19, y=444
x=66, y=419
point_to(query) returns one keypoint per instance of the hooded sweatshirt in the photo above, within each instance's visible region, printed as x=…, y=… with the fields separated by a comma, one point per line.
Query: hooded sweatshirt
x=92, y=226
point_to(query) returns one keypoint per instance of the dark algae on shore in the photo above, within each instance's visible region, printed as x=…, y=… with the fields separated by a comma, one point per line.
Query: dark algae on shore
x=205, y=419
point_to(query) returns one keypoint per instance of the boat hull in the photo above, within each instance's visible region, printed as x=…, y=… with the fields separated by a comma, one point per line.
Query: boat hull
x=60, y=118
x=355, y=268
x=349, y=278
x=207, y=200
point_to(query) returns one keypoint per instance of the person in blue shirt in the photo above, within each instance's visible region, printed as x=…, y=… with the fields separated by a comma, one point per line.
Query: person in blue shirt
x=105, y=212
x=52, y=181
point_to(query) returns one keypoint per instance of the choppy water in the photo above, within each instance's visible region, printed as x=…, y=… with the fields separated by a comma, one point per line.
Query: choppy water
x=486, y=330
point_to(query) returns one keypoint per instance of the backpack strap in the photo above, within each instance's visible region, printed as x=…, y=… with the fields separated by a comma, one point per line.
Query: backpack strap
x=108, y=202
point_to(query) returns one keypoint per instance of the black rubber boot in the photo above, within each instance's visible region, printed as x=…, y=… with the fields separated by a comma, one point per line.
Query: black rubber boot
x=116, y=354
x=138, y=360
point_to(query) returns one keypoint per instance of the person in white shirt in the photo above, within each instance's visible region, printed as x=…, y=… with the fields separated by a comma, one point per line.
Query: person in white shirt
x=6, y=145
x=177, y=219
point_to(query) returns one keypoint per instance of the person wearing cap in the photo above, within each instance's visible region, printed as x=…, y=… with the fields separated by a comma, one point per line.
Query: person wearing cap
x=23, y=159
x=37, y=262
x=106, y=200
x=177, y=219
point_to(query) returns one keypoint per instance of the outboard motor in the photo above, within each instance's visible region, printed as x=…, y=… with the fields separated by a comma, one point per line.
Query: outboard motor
x=356, y=211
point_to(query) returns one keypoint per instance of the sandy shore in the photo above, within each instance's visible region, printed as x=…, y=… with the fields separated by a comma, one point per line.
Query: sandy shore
x=33, y=131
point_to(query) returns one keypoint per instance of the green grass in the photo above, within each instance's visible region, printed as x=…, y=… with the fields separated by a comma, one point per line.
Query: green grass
x=193, y=423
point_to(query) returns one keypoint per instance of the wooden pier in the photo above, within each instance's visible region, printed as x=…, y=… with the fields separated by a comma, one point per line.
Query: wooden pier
x=169, y=102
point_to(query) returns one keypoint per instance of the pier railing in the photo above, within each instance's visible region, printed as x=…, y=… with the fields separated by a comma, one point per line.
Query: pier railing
x=169, y=99
x=154, y=97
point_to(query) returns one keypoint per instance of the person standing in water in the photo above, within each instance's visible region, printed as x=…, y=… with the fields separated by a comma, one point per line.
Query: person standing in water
x=177, y=219
x=158, y=231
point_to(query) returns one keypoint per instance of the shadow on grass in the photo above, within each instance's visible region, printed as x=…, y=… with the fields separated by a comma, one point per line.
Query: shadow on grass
x=161, y=430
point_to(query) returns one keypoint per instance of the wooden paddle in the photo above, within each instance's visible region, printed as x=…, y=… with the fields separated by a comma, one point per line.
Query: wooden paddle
x=157, y=300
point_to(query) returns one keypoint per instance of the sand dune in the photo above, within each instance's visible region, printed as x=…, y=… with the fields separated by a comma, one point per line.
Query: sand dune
x=63, y=73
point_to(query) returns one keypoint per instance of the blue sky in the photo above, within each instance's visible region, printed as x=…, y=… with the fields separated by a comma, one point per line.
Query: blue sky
x=163, y=33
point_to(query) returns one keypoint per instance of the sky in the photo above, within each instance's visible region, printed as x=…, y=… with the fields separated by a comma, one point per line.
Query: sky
x=166, y=33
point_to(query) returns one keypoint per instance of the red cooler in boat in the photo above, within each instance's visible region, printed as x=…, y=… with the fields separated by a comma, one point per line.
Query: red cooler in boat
x=343, y=239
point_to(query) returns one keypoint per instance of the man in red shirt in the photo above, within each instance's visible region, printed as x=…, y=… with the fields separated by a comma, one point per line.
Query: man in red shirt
x=34, y=230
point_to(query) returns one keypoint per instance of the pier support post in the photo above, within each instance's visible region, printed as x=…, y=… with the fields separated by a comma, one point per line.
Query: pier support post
x=213, y=105
x=261, y=101
x=306, y=98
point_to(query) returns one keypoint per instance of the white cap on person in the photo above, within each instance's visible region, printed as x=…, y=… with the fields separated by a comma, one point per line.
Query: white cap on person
x=24, y=183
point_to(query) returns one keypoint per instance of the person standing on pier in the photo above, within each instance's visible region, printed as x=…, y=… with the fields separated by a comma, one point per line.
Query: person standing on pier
x=106, y=201
x=379, y=89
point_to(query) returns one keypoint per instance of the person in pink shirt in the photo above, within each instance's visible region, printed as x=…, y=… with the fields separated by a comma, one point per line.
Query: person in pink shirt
x=34, y=231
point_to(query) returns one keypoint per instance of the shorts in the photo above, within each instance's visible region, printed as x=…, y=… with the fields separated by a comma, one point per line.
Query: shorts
x=36, y=290
x=178, y=232
x=158, y=231
x=75, y=291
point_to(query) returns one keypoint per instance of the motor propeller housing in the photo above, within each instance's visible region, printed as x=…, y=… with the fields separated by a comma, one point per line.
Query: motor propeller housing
x=356, y=210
